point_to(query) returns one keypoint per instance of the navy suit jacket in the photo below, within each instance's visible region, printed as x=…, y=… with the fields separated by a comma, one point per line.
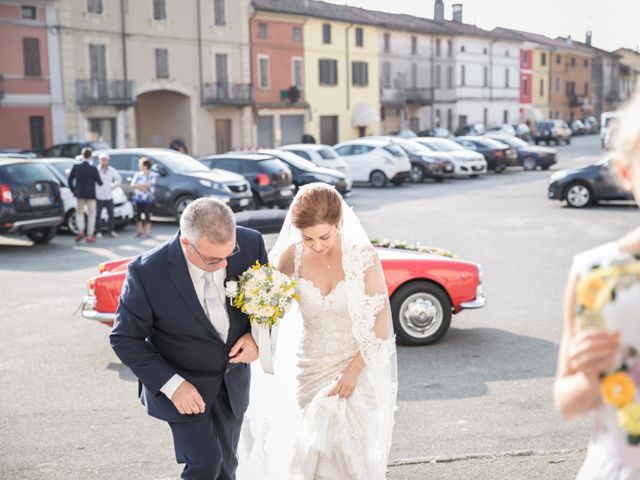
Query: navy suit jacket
x=161, y=329
x=82, y=180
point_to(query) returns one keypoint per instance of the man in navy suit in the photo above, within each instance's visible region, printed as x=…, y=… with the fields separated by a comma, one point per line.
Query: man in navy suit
x=82, y=182
x=184, y=341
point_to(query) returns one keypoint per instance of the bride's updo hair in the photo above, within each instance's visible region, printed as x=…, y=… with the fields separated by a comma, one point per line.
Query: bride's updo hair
x=316, y=204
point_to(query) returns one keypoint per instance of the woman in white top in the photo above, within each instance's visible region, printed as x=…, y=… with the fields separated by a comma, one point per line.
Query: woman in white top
x=599, y=361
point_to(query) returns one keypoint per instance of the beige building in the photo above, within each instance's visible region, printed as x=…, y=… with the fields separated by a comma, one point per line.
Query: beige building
x=629, y=71
x=158, y=71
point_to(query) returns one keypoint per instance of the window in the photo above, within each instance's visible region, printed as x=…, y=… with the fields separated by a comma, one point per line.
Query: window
x=222, y=76
x=387, y=42
x=159, y=10
x=449, y=48
x=297, y=72
x=486, y=77
x=586, y=89
x=485, y=51
x=414, y=45
x=525, y=58
x=438, y=47
x=437, y=117
x=558, y=59
x=219, y=13
x=573, y=61
x=525, y=87
x=28, y=13
x=485, y=116
x=462, y=49
x=386, y=75
x=449, y=77
x=162, y=63
x=36, y=132
x=449, y=119
x=297, y=34
x=263, y=69
x=586, y=63
x=505, y=116
x=506, y=77
x=463, y=75
x=506, y=53
x=360, y=72
x=359, y=37
x=262, y=30
x=414, y=75
x=31, y=53
x=328, y=72
x=557, y=85
x=541, y=87
x=94, y=6
x=439, y=76
x=543, y=59
x=326, y=33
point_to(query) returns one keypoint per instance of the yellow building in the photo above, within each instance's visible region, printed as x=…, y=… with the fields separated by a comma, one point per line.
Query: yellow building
x=341, y=80
x=541, y=83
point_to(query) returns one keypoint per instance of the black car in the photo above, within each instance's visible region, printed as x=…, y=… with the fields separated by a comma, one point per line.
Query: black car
x=530, y=157
x=472, y=129
x=552, y=131
x=587, y=185
x=498, y=155
x=30, y=200
x=425, y=163
x=305, y=171
x=270, y=179
x=71, y=149
x=180, y=179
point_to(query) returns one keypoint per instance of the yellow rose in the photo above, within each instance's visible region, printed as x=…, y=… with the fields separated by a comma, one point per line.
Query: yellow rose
x=618, y=389
x=588, y=290
x=629, y=418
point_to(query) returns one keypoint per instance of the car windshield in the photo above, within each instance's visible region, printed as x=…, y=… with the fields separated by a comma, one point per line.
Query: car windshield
x=513, y=141
x=328, y=154
x=295, y=160
x=444, y=146
x=545, y=125
x=63, y=167
x=20, y=174
x=412, y=147
x=272, y=165
x=485, y=142
x=180, y=163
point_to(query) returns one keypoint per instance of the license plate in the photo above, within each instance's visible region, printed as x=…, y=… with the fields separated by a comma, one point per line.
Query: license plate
x=40, y=201
x=286, y=193
x=244, y=202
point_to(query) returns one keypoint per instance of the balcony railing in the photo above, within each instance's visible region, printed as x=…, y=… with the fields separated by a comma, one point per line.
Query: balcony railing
x=238, y=94
x=422, y=96
x=1, y=86
x=577, y=101
x=117, y=93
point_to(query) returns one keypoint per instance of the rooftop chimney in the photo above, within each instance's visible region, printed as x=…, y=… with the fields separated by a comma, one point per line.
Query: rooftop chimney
x=438, y=11
x=457, y=12
x=589, y=35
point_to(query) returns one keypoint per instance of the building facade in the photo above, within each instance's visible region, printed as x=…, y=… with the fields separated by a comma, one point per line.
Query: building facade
x=31, y=115
x=629, y=71
x=277, y=55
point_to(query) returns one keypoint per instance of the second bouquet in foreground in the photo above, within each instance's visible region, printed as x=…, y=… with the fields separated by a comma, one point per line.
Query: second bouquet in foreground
x=265, y=294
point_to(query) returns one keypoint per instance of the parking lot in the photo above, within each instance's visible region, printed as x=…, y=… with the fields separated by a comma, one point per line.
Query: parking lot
x=479, y=401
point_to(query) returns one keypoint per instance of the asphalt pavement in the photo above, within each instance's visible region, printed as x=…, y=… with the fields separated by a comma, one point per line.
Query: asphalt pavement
x=476, y=405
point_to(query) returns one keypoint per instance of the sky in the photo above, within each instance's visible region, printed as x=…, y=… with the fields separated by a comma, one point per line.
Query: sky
x=614, y=23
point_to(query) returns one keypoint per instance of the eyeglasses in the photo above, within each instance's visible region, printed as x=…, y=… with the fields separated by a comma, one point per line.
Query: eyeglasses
x=210, y=263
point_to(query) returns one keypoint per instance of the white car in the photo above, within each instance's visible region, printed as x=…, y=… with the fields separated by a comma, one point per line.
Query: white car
x=322, y=155
x=465, y=162
x=376, y=161
x=122, y=207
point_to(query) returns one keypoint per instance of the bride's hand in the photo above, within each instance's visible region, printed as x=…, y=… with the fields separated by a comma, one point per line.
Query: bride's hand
x=592, y=351
x=346, y=383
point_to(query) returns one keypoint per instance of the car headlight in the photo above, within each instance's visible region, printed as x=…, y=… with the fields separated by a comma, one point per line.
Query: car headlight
x=214, y=185
x=206, y=183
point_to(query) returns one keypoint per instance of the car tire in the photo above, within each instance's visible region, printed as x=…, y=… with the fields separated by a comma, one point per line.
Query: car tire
x=438, y=179
x=255, y=203
x=500, y=167
x=578, y=195
x=417, y=174
x=71, y=222
x=421, y=313
x=378, y=179
x=180, y=204
x=529, y=163
x=42, y=235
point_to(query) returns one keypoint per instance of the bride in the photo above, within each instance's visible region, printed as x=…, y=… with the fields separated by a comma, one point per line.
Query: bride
x=327, y=413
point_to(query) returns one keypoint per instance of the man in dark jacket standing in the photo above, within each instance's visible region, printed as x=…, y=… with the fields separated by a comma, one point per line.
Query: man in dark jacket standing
x=82, y=182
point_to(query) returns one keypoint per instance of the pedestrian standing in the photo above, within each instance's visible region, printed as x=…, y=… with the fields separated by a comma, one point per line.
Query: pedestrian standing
x=82, y=182
x=143, y=184
x=104, y=194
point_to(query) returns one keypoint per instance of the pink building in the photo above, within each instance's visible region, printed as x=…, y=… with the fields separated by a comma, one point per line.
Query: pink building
x=25, y=81
x=526, y=79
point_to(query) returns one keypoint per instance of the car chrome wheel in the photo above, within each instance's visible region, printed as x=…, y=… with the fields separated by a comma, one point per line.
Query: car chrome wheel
x=421, y=315
x=417, y=175
x=181, y=204
x=529, y=163
x=578, y=195
x=378, y=179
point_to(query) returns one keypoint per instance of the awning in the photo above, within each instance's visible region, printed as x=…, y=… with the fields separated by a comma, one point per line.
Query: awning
x=364, y=115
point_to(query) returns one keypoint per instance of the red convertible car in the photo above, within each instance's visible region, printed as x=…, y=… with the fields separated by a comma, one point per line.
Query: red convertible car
x=424, y=289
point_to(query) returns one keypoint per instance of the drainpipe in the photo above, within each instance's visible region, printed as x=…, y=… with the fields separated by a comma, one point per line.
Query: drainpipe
x=125, y=73
x=346, y=48
x=199, y=29
x=433, y=84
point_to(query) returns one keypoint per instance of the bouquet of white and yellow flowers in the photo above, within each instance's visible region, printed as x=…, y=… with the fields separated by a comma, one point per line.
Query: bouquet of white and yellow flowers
x=265, y=294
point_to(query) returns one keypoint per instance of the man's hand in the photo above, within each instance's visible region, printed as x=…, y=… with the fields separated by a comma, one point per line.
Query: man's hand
x=244, y=351
x=187, y=399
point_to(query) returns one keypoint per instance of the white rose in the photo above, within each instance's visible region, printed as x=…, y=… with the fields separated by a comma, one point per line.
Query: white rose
x=231, y=289
x=259, y=275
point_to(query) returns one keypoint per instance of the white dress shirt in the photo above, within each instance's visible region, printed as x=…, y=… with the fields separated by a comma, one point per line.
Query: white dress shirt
x=110, y=178
x=213, y=302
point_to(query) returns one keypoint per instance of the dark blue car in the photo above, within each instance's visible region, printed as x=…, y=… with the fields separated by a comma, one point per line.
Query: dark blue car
x=529, y=156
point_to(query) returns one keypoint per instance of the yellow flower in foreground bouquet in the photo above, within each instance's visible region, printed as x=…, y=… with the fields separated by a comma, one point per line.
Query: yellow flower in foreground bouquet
x=262, y=292
x=618, y=389
x=629, y=418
